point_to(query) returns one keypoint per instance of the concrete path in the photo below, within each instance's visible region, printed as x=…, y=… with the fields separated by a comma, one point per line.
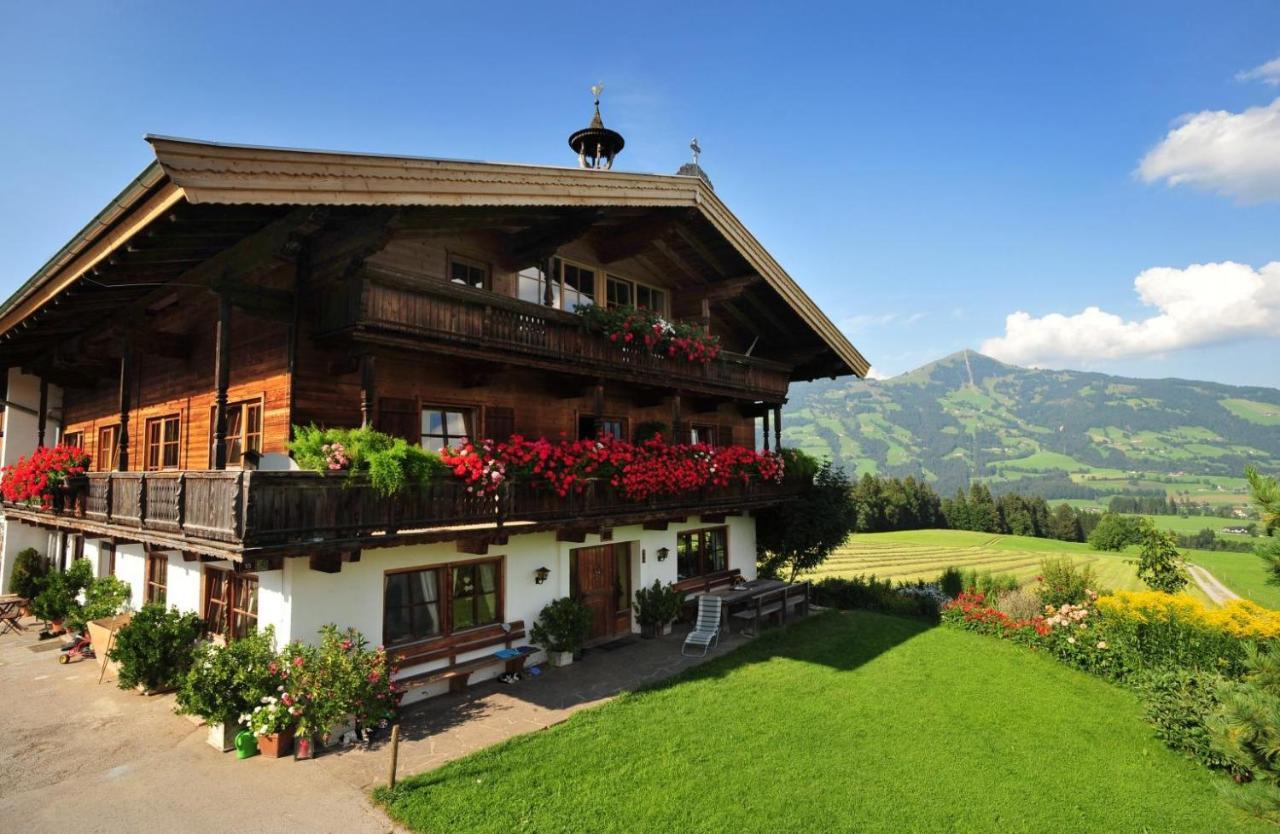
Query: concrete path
x=79, y=756
x=1209, y=583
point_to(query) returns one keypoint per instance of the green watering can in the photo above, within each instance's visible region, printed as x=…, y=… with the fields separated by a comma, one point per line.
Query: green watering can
x=246, y=744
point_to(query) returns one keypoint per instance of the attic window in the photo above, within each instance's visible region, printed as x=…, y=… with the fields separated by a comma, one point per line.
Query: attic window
x=468, y=272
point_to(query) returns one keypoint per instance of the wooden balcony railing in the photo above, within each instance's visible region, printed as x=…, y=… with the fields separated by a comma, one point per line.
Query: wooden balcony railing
x=473, y=319
x=278, y=509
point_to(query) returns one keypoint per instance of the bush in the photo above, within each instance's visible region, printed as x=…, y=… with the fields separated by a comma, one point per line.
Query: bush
x=657, y=605
x=1116, y=532
x=156, y=647
x=1178, y=702
x=562, y=626
x=105, y=596
x=872, y=594
x=340, y=678
x=391, y=463
x=1020, y=603
x=1061, y=582
x=226, y=682
x=989, y=584
x=57, y=602
x=1245, y=729
x=1160, y=563
x=30, y=568
x=1158, y=631
x=952, y=582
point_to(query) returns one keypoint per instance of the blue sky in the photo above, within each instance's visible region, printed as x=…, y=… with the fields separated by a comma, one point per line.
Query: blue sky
x=923, y=169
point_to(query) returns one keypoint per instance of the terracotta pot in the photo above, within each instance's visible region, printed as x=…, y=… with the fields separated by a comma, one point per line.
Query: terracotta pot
x=276, y=745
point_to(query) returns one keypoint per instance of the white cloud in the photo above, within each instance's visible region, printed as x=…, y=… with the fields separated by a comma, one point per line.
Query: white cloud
x=872, y=373
x=1237, y=154
x=1268, y=73
x=1200, y=305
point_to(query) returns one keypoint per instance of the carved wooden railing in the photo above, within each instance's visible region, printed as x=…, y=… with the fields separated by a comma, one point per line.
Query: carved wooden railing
x=266, y=509
x=471, y=318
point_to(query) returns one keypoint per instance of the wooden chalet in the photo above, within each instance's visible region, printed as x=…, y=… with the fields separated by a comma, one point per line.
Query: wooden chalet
x=231, y=292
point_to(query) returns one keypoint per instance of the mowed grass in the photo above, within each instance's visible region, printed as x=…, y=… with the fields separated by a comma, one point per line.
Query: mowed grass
x=923, y=554
x=1244, y=573
x=845, y=722
x=1193, y=524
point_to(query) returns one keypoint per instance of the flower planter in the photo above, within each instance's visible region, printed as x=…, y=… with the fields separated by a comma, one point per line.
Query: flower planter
x=276, y=745
x=303, y=748
x=222, y=736
x=560, y=658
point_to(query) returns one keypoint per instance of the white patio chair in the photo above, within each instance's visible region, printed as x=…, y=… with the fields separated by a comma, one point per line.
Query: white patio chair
x=706, y=631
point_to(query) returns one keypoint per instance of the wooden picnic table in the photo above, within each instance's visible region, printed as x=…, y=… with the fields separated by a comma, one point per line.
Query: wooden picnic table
x=741, y=596
x=11, y=606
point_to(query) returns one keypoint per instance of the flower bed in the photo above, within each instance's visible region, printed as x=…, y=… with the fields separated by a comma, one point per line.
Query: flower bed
x=38, y=478
x=637, y=471
x=640, y=328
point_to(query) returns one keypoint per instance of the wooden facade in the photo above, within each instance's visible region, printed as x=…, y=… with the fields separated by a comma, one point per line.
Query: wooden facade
x=226, y=303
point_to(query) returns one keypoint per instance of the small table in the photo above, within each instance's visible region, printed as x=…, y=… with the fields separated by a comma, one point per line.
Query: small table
x=11, y=606
x=737, y=596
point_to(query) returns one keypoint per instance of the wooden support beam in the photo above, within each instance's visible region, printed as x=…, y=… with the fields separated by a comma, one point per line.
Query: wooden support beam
x=326, y=562
x=368, y=395
x=126, y=386
x=777, y=427
x=606, y=535
x=572, y=534
x=43, y=418
x=660, y=524
x=691, y=240
x=630, y=239
x=668, y=252
x=351, y=556
x=222, y=379
x=765, y=417
x=712, y=518
x=597, y=407
x=530, y=246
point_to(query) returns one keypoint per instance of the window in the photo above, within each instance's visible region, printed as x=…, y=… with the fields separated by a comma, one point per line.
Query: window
x=579, y=287
x=651, y=299
x=162, y=438
x=157, y=578
x=108, y=441
x=244, y=431
x=107, y=551
x=443, y=427
x=620, y=292
x=230, y=603
x=440, y=600
x=612, y=426
x=703, y=434
x=700, y=552
x=468, y=272
x=73, y=438
x=533, y=287
x=411, y=606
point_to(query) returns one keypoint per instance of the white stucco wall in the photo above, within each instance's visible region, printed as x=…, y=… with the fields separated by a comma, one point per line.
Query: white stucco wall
x=18, y=537
x=131, y=567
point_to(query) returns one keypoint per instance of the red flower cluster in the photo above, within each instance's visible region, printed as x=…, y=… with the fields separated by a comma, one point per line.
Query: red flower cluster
x=638, y=471
x=35, y=478
x=637, y=326
x=972, y=610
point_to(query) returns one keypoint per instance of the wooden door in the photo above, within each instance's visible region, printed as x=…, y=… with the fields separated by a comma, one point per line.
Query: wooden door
x=595, y=585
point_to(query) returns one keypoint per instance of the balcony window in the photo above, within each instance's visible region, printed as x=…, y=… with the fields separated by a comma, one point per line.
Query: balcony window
x=700, y=552
x=73, y=438
x=533, y=287
x=163, y=435
x=620, y=292
x=442, y=426
x=244, y=431
x=703, y=434
x=108, y=442
x=230, y=603
x=579, y=286
x=615, y=427
x=651, y=298
x=468, y=273
x=623, y=292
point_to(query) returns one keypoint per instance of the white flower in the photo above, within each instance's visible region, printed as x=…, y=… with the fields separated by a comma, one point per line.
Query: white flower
x=1102, y=644
x=1071, y=640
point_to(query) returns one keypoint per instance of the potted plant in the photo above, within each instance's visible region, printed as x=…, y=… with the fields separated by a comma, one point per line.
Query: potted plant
x=58, y=600
x=104, y=597
x=225, y=683
x=562, y=628
x=30, y=568
x=52, y=477
x=656, y=607
x=155, y=648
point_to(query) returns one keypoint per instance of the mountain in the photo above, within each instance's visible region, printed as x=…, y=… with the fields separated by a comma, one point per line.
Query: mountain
x=1062, y=434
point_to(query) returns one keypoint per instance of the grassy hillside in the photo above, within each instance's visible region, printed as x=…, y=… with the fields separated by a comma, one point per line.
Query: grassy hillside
x=1057, y=433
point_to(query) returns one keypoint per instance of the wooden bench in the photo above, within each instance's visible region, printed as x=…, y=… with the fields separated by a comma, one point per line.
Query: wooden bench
x=458, y=673
x=781, y=602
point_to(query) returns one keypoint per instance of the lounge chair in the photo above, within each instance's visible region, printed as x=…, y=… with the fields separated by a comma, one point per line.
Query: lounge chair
x=706, y=631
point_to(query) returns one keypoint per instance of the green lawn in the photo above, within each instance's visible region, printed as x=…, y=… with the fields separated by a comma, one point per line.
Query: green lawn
x=844, y=722
x=1195, y=523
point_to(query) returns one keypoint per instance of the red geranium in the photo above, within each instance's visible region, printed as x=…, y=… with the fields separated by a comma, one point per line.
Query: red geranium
x=34, y=479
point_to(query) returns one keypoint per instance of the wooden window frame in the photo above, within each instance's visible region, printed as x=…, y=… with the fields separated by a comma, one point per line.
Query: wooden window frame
x=150, y=585
x=236, y=588
x=109, y=548
x=244, y=405
x=600, y=296
x=112, y=448
x=469, y=262
x=713, y=430
x=583, y=266
x=702, y=563
x=73, y=438
x=469, y=415
x=149, y=445
x=634, y=286
x=444, y=599
x=623, y=424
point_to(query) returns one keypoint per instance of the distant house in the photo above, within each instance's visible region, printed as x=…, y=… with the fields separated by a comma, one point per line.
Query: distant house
x=231, y=292
x=1238, y=530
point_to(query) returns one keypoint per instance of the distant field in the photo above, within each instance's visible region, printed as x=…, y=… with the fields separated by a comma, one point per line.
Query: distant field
x=1263, y=413
x=1194, y=524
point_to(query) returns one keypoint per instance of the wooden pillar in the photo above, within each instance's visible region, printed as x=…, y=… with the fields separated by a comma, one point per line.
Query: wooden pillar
x=598, y=407
x=126, y=388
x=548, y=273
x=43, y=418
x=706, y=316
x=766, y=428
x=677, y=421
x=777, y=427
x=222, y=379
x=368, y=382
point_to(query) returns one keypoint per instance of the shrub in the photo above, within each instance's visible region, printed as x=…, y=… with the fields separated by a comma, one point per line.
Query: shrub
x=952, y=582
x=1178, y=702
x=1020, y=603
x=105, y=596
x=1245, y=729
x=563, y=625
x=1116, y=532
x=391, y=463
x=1159, y=562
x=155, y=648
x=872, y=594
x=1061, y=582
x=57, y=601
x=800, y=536
x=30, y=567
x=1157, y=630
x=226, y=682
x=989, y=584
x=658, y=604
x=341, y=677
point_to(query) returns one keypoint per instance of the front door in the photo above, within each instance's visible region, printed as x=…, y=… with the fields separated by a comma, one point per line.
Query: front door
x=601, y=580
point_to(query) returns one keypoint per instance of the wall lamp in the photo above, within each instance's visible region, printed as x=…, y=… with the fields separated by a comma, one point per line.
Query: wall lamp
x=663, y=553
x=540, y=575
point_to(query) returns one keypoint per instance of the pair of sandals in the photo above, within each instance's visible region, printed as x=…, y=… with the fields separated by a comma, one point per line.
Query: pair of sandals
x=509, y=677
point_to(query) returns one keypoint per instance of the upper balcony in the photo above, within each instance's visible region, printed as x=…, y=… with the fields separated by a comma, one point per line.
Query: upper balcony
x=478, y=323
x=266, y=515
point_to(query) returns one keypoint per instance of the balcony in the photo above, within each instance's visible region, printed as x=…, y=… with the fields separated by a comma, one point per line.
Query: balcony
x=483, y=324
x=263, y=514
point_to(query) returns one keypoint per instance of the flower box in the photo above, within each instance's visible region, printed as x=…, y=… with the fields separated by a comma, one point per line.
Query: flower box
x=276, y=745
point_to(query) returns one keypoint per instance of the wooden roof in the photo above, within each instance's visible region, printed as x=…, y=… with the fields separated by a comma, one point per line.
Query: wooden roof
x=252, y=185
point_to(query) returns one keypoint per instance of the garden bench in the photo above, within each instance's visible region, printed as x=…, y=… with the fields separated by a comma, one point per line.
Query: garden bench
x=458, y=673
x=782, y=601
